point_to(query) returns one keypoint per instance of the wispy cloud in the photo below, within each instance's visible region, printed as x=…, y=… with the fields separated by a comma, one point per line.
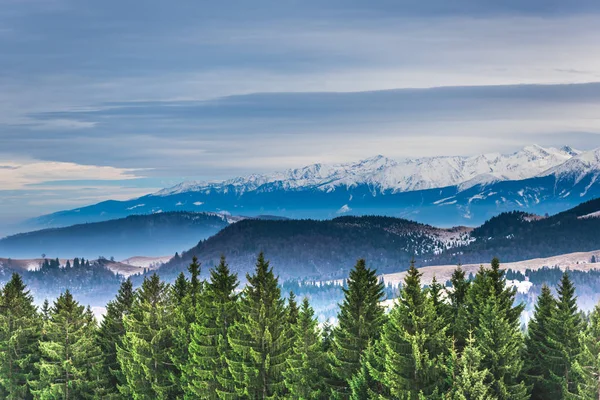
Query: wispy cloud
x=16, y=176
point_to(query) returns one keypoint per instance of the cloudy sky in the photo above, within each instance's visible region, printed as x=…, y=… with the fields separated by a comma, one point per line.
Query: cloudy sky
x=114, y=99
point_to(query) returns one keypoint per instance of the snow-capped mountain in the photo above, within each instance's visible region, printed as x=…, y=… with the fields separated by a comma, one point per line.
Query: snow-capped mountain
x=384, y=174
x=577, y=167
x=438, y=190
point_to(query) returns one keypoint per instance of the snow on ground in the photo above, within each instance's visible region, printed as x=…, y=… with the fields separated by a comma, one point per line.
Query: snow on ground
x=131, y=266
x=453, y=238
x=591, y=215
x=27, y=264
x=573, y=261
x=146, y=262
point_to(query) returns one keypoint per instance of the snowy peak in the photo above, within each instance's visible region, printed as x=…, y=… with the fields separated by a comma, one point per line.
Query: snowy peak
x=384, y=174
x=577, y=167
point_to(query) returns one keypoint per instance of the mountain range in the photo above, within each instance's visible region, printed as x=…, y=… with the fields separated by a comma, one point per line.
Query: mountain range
x=444, y=191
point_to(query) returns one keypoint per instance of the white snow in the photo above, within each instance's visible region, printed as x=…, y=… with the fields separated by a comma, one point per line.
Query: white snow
x=577, y=167
x=440, y=201
x=136, y=206
x=198, y=203
x=384, y=174
x=590, y=215
x=344, y=209
x=522, y=286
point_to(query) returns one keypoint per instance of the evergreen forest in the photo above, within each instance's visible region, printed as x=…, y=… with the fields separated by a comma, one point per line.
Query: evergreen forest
x=214, y=339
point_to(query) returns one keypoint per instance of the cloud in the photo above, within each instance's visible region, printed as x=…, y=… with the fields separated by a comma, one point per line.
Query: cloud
x=16, y=176
x=67, y=124
x=240, y=134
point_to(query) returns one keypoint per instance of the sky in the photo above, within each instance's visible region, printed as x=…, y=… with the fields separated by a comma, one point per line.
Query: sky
x=115, y=99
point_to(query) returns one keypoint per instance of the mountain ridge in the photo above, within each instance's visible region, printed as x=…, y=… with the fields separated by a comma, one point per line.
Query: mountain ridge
x=549, y=180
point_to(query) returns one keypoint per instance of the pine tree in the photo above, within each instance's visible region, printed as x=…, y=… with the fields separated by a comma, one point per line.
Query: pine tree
x=326, y=337
x=196, y=286
x=20, y=327
x=110, y=335
x=368, y=382
x=93, y=364
x=303, y=378
x=537, y=364
x=435, y=291
x=457, y=309
x=186, y=296
x=147, y=345
x=564, y=328
x=69, y=367
x=495, y=321
x=207, y=373
x=183, y=316
x=501, y=345
x=471, y=378
x=587, y=366
x=45, y=311
x=292, y=309
x=492, y=281
x=179, y=290
x=360, y=320
x=416, y=343
x=258, y=339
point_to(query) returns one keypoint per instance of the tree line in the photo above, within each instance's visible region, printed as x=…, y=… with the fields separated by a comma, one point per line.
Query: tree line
x=206, y=339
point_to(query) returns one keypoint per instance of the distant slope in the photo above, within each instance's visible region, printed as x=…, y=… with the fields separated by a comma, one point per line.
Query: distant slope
x=149, y=235
x=328, y=249
x=309, y=248
x=580, y=261
x=519, y=236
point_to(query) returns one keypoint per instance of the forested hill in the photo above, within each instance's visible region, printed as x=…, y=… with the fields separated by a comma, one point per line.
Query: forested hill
x=150, y=235
x=518, y=236
x=325, y=249
x=309, y=248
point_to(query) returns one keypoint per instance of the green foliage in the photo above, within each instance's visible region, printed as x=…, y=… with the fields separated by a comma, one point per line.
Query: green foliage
x=564, y=328
x=20, y=328
x=70, y=363
x=207, y=373
x=470, y=381
x=259, y=339
x=185, y=296
x=368, y=382
x=360, y=320
x=202, y=340
x=495, y=323
x=457, y=312
x=587, y=366
x=416, y=343
x=306, y=363
x=110, y=336
x=145, y=355
x=538, y=345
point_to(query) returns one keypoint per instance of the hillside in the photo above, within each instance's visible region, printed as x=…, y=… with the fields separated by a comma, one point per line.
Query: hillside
x=309, y=248
x=518, y=236
x=157, y=234
x=328, y=249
